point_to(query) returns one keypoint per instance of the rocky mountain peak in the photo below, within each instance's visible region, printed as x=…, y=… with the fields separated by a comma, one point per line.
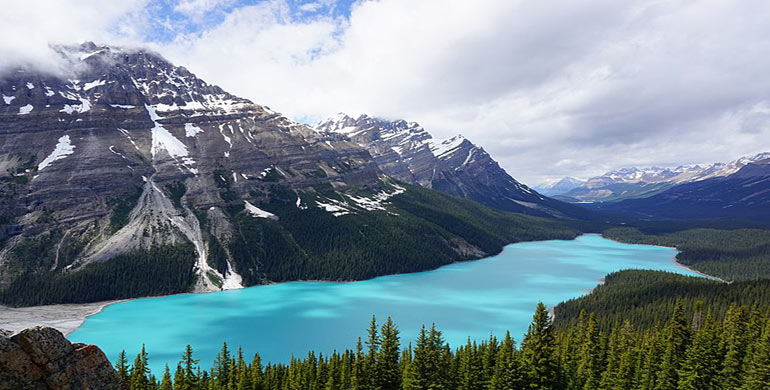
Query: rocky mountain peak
x=406, y=151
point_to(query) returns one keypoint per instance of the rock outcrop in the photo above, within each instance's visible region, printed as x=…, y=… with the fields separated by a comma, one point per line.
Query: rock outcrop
x=41, y=358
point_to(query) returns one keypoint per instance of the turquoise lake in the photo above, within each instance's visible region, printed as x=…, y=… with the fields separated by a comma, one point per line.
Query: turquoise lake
x=475, y=299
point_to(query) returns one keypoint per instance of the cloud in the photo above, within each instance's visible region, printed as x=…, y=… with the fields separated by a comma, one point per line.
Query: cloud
x=198, y=8
x=549, y=88
x=28, y=27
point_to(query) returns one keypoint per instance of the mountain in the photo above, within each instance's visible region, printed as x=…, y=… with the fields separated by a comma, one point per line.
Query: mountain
x=630, y=183
x=407, y=152
x=128, y=166
x=558, y=187
x=742, y=194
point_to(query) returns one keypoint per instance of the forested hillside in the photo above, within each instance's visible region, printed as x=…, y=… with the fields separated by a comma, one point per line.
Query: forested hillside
x=691, y=350
x=728, y=254
x=417, y=230
x=647, y=298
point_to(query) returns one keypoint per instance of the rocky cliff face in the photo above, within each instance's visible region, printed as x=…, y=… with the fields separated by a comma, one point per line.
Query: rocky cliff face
x=457, y=166
x=129, y=176
x=116, y=156
x=41, y=358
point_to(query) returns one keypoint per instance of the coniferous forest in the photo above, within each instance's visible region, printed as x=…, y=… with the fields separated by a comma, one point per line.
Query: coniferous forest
x=691, y=349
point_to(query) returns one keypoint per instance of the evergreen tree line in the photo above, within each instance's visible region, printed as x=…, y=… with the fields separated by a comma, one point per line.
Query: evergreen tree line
x=691, y=351
x=170, y=269
x=647, y=298
x=421, y=230
x=742, y=254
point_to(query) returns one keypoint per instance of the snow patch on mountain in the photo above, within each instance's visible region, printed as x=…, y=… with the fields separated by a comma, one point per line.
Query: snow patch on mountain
x=63, y=149
x=162, y=140
x=258, y=212
x=190, y=130
x=24, y=110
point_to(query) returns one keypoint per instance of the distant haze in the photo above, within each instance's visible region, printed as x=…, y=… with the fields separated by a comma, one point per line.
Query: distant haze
x=548, y=88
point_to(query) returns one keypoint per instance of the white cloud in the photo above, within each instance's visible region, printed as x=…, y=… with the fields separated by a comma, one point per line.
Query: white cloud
x=28, y=27
x=550, y=88
x=198, y=8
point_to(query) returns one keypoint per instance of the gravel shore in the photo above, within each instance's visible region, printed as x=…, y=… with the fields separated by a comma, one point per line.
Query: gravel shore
x=65, y=318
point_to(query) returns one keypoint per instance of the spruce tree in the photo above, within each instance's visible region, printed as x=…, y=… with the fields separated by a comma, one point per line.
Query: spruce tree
x=190, y=370
x=123, y=368
x=257, y=374
x=220, y=372
x=539, y=352
x=178, y=377
x=508, y=372
x=470, y=370
x=677, y=338
x=359, y=379
x=373, y=345
x=140, y=372
x=165, y=383
x=700, y=369
x=735, y=345
x=387, y=374
x=758, y=373
x=589, y=367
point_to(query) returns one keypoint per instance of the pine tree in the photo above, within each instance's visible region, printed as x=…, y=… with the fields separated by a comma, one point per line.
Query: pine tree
x=589, y=367
x=758, y=373
x=257, y=374
x=700, y=369
x=373, y=345
x=677, y=338
x=431, y=363
x=539, y=352
x=735, y=346
x=123, y=368
x=165, y=383
x=627, y=362
x=387, y=374
x=189, y=368
x=333, y=376
x=140, y=372
x=220, y=372
x=508, y=373
x=359, y=379
x=178, y=377
x=488, y=360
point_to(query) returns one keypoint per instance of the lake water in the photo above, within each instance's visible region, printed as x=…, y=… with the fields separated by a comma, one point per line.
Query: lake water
x=463, y=299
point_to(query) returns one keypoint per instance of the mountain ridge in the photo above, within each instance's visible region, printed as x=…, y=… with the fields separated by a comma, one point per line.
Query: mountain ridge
x=407, y=152
x=634, y=182
x=135, y=159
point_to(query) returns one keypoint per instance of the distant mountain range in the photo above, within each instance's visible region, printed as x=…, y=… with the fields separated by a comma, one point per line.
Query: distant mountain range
x=744, y=194
x=406, y=151
x=632, y=183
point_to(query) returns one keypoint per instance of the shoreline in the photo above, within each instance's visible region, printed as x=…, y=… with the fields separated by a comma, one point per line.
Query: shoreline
x=69, y=317
x=64, y=317
x=673, y=259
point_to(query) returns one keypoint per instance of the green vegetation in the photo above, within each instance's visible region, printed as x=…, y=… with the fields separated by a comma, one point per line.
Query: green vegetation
x=429, y=229
x=176, y=190
x=125, y=276
x=646, y=298
x=122, y=209
x=728, y=254
x=690, y=350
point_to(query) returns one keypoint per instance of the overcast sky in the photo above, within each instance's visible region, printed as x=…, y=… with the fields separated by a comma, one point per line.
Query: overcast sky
x=549, y=88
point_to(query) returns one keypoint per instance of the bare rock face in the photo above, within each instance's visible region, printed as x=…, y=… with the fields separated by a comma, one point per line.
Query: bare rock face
x=406, y=151
x=41, y=358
